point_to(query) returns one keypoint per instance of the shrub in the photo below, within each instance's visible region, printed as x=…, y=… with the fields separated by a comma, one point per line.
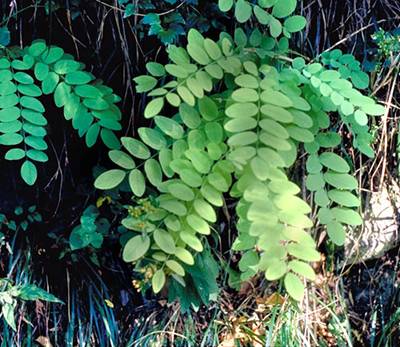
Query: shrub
x=244, y=111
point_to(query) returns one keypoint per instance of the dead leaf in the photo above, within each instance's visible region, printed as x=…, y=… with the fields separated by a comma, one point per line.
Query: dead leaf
x=229, y=341
x=44, y=341
x=274, y=299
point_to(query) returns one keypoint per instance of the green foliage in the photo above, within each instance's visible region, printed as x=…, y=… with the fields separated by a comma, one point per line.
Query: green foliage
x=244, y=112
x=348, y=67
x=200, y=285
x=10, y=294
x=21, y=220
x=26, y=75
x=170, y=20
x=388, y=44
x=4, y=36
x=90, y=231
x=276, y=15
x=328, y=173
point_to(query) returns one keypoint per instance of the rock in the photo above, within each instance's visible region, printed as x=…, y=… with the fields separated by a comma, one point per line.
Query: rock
x=381, y=226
